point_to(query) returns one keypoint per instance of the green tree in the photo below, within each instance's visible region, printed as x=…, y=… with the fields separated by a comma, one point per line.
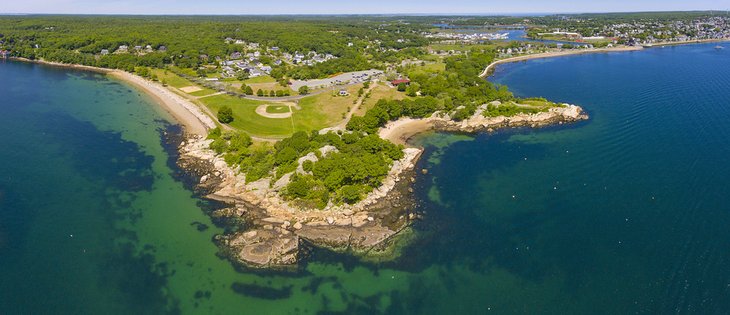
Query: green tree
x=260, y=93
x=303, y=90
x=242, y=75
x=249, y=90
x=401, y=87
x=225, y=115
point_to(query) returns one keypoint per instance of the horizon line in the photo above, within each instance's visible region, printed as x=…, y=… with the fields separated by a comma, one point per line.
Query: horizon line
x=424, y=14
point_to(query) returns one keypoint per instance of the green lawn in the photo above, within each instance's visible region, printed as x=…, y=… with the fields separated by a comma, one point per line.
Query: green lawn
x=246, y=119
x=323, y=110
x=203, y=92
x=277, y=109
x=261, y=79
x=171, y=78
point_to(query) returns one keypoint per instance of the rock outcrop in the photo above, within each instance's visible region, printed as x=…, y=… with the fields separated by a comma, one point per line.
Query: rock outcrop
x=275, y=230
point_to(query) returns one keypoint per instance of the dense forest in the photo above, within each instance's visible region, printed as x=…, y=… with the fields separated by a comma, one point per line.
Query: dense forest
x=352, y=166
x=189, y=42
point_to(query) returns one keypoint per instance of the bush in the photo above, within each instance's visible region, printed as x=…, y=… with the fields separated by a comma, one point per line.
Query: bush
x=225, y=115
x=304, y=90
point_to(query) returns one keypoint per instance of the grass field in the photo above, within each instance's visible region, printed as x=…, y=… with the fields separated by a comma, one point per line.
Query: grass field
x=171, y=78
x=277, y=109
x=202, y=92
x=381, y=91
x=261, y=79
x=246, y=119
x=323, y=110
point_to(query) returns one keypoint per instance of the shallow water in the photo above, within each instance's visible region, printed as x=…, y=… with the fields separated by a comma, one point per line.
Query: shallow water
x=627, y=212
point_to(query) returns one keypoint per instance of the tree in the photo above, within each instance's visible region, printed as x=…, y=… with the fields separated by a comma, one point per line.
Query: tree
x=243, y=87
x=303, y=90
x=272, y=93
x=401, y=87
x=260, y=93
x=413, y=89
x=225, y=115
x=242, y=75
x=249, y=90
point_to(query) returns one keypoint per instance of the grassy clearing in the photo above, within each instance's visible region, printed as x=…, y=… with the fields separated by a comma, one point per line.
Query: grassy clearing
x=277, y=109
x=261, y=79
x=203, y=92
x=171, y=78
x=324, y=110
x=380, y=91
x=246, y=119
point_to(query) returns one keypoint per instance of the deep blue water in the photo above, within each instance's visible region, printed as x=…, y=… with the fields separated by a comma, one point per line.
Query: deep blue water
x=628, y=212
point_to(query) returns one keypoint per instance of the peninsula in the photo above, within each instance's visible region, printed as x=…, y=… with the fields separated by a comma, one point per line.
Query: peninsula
x=305, y=137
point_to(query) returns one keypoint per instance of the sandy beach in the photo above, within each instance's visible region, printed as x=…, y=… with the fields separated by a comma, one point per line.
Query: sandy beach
x=181, y=109
x=401, y=130
x=184, y=111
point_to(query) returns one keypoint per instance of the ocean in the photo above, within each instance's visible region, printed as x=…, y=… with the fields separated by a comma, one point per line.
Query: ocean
x=627, y=212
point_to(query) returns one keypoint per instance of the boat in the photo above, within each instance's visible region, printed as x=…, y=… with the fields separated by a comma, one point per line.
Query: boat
x=718, y=47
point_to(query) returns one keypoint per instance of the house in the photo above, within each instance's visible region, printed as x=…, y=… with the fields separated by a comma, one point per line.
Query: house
x=274, y=48
x=123, y=49
x=255, y=73
x=148, y=48
x=266, y=69
x=236, y=55
x=138, y=48
x=162, y=48
x=105, y=51
x=399, y=81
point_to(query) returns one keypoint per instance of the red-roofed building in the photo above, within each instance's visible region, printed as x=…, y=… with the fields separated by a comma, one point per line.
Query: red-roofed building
x=399, y=81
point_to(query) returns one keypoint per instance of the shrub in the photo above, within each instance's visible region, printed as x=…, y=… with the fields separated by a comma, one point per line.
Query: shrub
x=225, y=115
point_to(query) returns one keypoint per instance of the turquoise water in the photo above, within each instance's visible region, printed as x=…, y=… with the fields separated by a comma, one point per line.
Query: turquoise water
x=625, y=213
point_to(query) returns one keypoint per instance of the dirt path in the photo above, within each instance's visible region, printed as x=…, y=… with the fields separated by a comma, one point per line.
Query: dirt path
x=356, y=106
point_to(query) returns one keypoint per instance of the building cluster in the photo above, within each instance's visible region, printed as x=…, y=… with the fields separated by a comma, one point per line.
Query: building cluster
x=467, y=37
x=139, y=50
x=257, y=60
x=647, y=32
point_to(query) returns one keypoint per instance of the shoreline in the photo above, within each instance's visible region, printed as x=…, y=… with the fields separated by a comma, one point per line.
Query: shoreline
x=553, y=54
x=182, y=111
x=402, y=130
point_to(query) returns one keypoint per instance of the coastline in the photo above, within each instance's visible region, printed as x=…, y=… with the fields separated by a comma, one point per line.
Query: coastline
x=553, y=54
x=572, y=52
x=268, y=232
x=183, y=111
x=401, y=130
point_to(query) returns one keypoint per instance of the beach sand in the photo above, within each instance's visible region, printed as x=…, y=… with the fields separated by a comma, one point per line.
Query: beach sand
x=401, y=130
x=182, y=110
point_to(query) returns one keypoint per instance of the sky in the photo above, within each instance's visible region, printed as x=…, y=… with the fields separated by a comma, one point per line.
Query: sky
x=242, y=7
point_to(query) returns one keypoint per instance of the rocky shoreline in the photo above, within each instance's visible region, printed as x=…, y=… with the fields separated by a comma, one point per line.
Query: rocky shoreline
x=265, y=231
x=269, y=233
